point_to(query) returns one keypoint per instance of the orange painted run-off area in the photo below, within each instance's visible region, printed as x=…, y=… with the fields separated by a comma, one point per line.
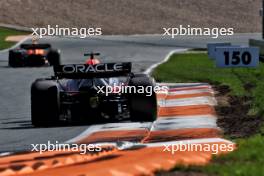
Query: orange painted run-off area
x=143, y=161
x=138, y=161
x=189, y=88
x=186, y=110
x=181, y=134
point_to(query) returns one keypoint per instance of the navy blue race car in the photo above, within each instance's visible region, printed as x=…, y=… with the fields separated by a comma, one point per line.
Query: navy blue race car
x=73, y=95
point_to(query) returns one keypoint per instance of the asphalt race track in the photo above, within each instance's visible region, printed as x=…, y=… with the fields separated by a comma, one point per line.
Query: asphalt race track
x=16, y=131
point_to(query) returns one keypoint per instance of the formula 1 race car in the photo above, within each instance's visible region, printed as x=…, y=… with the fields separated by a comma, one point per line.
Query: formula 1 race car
x=77, y=93
x=33, y=55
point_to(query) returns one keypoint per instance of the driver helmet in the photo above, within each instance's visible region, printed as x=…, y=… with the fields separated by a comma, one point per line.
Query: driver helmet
x=91, y=61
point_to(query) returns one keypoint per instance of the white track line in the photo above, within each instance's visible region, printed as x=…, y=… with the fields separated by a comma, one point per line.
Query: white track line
x=163, y=144
x=125, y=126
x=203, y=100
x=183, y=84
x=183, y=123
x=172, y=89
x=152, y=67
x=191, y=141
x=186, y=92
x=5, y=154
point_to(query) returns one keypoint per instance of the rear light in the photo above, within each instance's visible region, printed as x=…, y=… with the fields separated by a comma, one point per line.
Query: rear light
x=30, y=52
x=39, y=51
x=36, y=51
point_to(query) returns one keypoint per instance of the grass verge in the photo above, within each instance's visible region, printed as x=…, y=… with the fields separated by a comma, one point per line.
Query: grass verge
x=5, y=32
x=242, y=82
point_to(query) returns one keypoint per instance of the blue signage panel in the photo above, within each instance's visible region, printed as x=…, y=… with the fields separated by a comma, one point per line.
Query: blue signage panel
x=211, y=48
x=237, y=56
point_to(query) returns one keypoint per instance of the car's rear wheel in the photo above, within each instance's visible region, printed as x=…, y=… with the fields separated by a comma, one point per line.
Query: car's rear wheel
x=13, y=59
x=45, y=103
x=54, y=57
x=143, y=106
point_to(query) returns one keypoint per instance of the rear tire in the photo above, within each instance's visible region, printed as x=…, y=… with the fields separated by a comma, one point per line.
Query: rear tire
x=45, y=103
x=54, y=57
x=143, y=107
x=13, y=59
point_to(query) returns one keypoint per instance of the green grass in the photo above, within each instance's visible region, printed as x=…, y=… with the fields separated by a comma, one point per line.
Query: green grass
x=197, y=67
x=246, y=161
x=4, y=32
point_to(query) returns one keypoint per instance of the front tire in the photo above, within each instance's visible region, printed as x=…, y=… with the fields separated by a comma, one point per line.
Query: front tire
x=45, y=103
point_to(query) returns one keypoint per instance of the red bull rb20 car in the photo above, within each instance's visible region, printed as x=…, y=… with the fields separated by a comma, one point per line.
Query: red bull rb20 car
x=72, y=95
x=33, y=55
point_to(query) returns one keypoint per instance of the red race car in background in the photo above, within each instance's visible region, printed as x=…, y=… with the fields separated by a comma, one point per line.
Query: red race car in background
x=33, y=55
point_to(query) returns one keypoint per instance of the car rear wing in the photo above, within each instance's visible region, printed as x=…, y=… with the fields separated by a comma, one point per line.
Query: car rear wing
x=35, y=46
x=84, y=71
